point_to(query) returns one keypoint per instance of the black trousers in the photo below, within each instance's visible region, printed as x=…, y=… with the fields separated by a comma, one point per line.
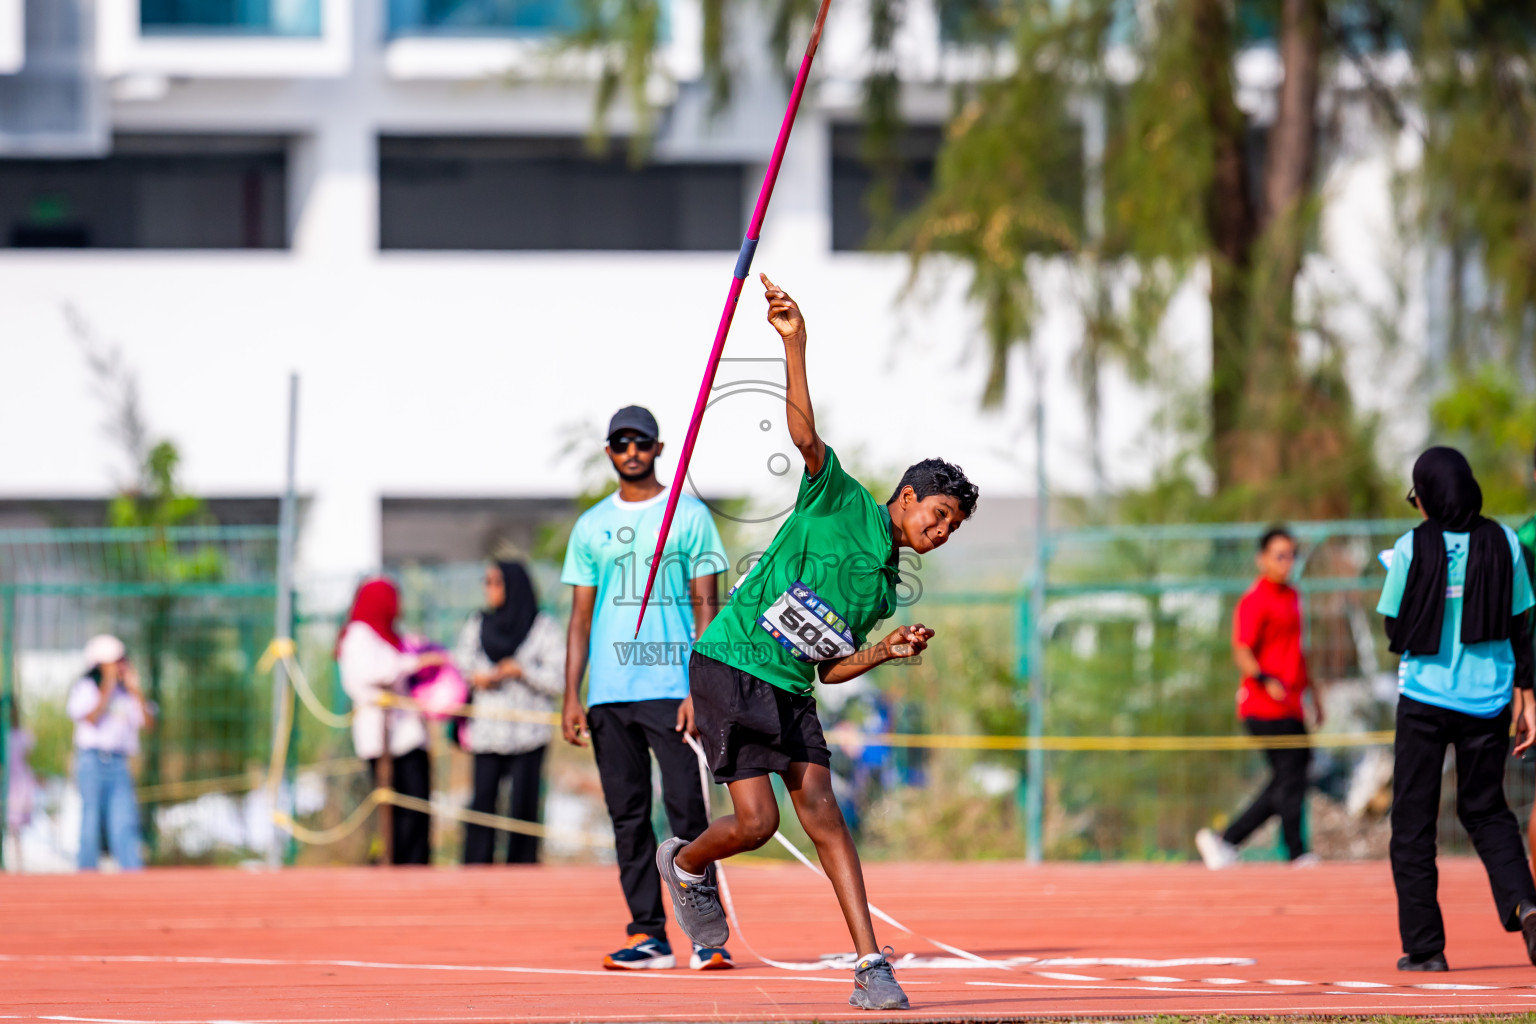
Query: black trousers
x=411, y=775
x=624, y=735
x=526, y=771
x=1286, y=789
x=1481, y=744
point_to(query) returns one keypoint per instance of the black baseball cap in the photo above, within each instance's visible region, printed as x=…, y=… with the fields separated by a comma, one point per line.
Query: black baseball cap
x=636, y=418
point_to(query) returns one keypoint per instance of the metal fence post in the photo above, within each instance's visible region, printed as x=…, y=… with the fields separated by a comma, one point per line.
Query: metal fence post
x=385, y=779
x=283, y=631
x=1034, y=796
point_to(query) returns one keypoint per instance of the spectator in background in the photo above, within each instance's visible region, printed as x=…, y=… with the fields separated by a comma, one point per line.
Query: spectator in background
x=21, y=784
x=1266, y=645
x=372, y=662
x=514, y=657
x=1455, y=602
x=637, y=692
x=108, y=709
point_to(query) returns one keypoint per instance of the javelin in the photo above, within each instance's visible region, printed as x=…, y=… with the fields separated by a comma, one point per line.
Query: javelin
x=739, y=278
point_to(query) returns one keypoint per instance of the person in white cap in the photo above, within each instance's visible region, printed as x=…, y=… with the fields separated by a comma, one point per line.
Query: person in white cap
x=108, y=709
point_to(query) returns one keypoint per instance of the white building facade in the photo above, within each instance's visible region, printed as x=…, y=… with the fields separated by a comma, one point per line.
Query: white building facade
x=392, y=198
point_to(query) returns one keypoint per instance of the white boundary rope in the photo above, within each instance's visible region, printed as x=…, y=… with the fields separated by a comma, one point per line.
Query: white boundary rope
x=826, y=964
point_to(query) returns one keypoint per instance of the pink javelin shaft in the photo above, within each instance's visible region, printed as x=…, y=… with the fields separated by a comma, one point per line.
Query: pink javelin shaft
x=738, y=279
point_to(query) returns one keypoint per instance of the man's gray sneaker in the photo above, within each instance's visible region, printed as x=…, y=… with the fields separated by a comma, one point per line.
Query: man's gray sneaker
x=696, y=904
x=874, y=985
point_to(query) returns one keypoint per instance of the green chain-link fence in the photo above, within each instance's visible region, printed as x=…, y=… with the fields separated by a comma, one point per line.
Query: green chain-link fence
x=1137, y=641
x=1135, y=634
x=195, y=608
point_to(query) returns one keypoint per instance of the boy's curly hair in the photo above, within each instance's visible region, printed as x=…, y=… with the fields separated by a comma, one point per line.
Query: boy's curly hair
x=935, y=476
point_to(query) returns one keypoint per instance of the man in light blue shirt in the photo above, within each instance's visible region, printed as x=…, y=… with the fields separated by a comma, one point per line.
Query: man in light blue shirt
x=637, y=687
x=1456, y=601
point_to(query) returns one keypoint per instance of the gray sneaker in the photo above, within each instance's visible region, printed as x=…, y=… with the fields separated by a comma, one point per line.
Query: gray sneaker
x=874, y=985
x=697, y=905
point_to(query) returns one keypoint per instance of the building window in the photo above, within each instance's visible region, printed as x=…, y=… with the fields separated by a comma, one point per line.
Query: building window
x=482, y=17
x=550, y=194
x=230, y=17
x=853, y=182
x=151, y=192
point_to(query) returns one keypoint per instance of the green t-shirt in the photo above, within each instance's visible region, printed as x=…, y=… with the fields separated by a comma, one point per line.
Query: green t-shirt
x=826, y=579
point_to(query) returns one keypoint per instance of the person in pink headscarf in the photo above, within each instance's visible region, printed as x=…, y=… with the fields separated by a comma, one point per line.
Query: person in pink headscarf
x=372, y=661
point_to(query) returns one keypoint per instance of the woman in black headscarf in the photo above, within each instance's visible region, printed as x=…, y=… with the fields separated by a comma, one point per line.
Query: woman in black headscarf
x=514, y=657
x=1457, y=600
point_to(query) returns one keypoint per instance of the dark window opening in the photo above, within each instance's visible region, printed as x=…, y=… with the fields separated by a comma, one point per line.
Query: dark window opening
x=550, y=194
x=482, y=17
x=151, y=192
x=230, y=17
x=853, y=183
x=971, y=21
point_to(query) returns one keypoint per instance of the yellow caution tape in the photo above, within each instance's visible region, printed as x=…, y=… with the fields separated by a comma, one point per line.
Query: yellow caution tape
x=1109, y=743
x=334, y=834
x=381, y=795
x=283, y=649
x=188, y=789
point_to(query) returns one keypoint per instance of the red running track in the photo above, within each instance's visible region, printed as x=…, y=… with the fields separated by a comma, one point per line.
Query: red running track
x=325, y=946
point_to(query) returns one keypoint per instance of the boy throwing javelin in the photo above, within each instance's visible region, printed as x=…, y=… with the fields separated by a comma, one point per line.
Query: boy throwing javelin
x=804, y=610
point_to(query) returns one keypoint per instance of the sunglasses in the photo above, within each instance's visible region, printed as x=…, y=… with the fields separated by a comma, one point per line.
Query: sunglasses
x=642, y=444
x=1413, y=498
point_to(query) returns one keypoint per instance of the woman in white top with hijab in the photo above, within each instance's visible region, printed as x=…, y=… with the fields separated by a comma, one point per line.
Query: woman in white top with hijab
x=372, y=662
x=514, y=657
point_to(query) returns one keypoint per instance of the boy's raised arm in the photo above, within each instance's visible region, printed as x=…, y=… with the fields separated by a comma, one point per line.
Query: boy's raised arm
x=784, y=314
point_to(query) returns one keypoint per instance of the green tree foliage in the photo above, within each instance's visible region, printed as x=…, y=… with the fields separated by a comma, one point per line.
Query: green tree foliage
x=157, y=502
x=1176, y=192
x=196, y=656
x=1491, y=416
x=1107, y=135
x=624, y=36
x=1479, y=116
x=195, y=643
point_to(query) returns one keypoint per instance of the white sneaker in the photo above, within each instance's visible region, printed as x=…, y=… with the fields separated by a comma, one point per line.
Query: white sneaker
x=1214, y=850
x=1307, y=860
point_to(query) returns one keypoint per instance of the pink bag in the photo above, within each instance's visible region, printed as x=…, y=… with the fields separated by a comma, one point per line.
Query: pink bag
x=439, y=689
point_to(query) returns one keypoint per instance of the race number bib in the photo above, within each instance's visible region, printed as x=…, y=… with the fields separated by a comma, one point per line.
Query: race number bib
x=807, y=626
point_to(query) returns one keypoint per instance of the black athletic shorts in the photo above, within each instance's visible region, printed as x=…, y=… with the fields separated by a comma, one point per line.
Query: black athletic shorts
x=749, y=727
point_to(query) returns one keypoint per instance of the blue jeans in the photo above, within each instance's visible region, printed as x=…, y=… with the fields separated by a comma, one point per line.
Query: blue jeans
x=106, y=787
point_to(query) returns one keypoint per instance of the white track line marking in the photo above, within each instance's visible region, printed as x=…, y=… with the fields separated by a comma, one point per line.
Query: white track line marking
x=1123, y=961
x=376, y=965
x=1437, y=990
x=908, y=961
x=1112, y=988
x=1408, y=995
x=121, y=1020
x=736, y=975
x=1356, y=1008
